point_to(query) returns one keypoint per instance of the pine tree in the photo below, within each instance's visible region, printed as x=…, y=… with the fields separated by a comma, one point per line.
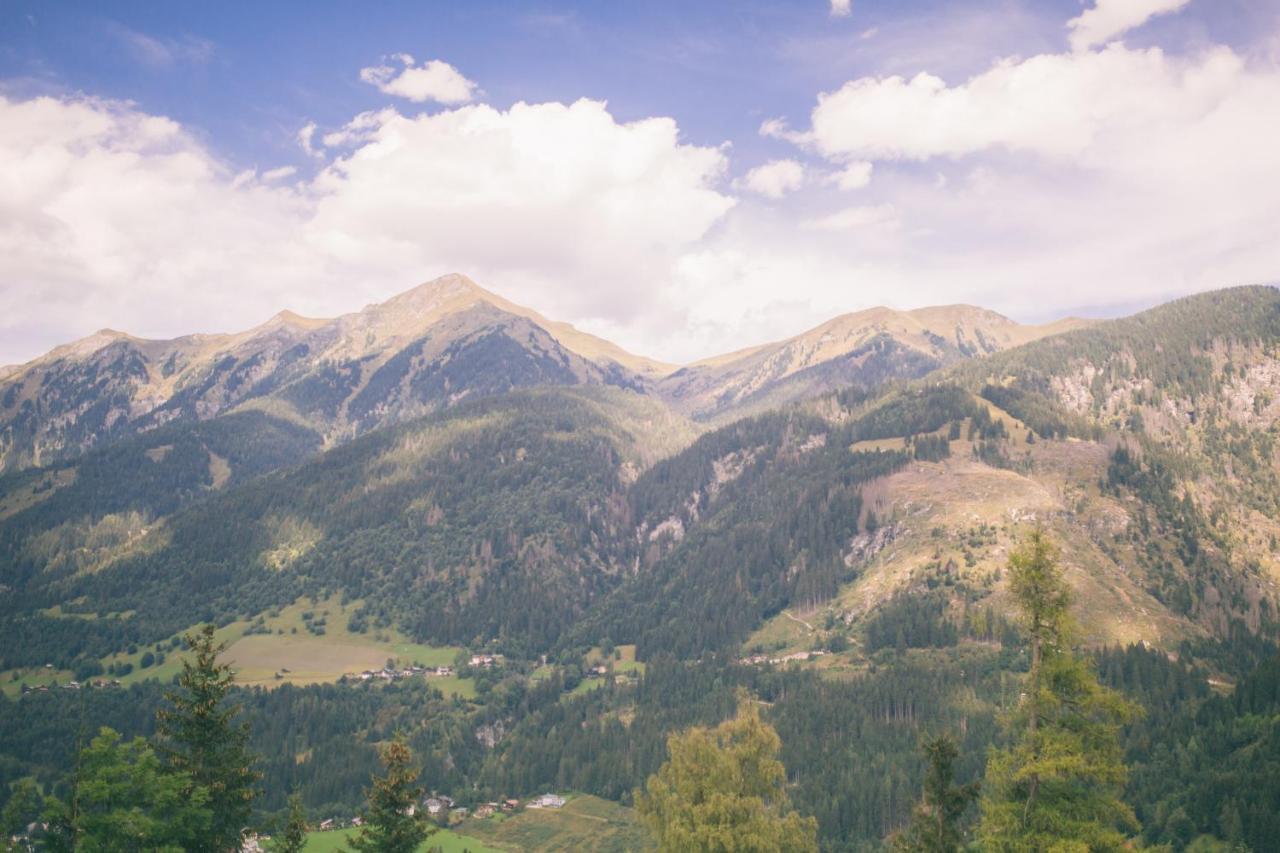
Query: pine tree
x=1057, y=787
x=722, y=789
x=393, y=822
x=294, y=835
x=935, y=823
x=201, y=737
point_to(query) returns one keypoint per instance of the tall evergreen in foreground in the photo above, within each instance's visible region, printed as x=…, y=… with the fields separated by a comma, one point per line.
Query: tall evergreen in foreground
x=394, y=821
x=935, y=823
x=201, y=736
x=293, y=835
x=1057, y=786
x=722, y=789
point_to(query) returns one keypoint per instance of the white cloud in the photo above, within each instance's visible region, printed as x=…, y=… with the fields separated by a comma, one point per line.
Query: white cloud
x=305, y=136
x=434, y=80
x=774, y=179
x=1043, y=184
x=1040, y=185
x=1107, y=19
x=862, y=216
x=113, y=217
x=854, y=176
x=279, y=174
x=553, y=198
x=1059, y=105
x=359, y=130
x=841, y=8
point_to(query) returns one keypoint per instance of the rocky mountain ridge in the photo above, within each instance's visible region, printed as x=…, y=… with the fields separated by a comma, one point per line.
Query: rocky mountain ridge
x=434, y=345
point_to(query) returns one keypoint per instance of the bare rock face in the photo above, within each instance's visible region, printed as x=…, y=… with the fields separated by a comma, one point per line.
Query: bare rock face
x=490, y=734
x=867, y=545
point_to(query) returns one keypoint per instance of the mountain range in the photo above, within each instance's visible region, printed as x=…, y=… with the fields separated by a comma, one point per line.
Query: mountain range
x=825, y=521
x=450, y=459
x=435, y=345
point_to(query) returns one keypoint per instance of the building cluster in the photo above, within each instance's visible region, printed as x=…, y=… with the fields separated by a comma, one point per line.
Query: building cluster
x=442, y=808
x=388, y=673
x=391, y=674
x=758, y=660
x=97, y=684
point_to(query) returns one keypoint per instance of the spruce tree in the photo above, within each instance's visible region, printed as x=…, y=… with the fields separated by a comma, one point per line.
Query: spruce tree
x=1057, y=786
x=935, y=823
x=201, y=737
x=393, y=819
x=293, y=837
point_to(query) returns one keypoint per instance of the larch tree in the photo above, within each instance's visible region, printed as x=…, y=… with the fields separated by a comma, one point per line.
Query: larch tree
x=23, y=807
x=1057, y=786
x=723, y=789
x=201, y=736
x=125, y=798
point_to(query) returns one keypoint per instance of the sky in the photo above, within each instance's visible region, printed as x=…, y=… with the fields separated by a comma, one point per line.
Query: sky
x=682, y=178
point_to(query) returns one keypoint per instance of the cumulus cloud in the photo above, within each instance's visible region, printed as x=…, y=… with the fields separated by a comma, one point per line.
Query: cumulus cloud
x=120, y=218
x=1107, y=19
x=774, y=179
x=556, y=196
x=1055, y=105
x=854, y=176
x=433, y=80
x=841, y=8
x=1037, y=186
x=1116, y=176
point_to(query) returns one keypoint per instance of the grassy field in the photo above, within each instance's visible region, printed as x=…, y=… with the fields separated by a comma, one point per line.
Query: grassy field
x=32, y=677
x=443, y=840
x=584, y=824
x=281, y=650
x=292, y=652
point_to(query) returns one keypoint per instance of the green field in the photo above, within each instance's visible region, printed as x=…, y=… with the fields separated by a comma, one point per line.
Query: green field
x=281, y=650
x=444, y=840
x=584, y=824
x=12, y=680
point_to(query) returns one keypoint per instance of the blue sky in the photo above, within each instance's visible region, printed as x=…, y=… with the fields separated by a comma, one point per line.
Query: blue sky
x=1055, y=157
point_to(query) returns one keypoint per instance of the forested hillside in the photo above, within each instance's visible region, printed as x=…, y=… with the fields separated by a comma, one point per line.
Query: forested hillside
x=583, y=571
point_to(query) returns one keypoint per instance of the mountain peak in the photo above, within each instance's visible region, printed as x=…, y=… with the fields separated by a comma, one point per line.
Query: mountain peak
x=87, y=345
x=444, y=289
x=292, y=320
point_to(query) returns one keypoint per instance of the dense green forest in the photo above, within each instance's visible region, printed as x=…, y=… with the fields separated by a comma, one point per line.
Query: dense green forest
x=554, y=527
x=1201, y=762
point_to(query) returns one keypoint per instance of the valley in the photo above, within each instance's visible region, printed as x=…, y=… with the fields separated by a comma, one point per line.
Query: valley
x=826, y=523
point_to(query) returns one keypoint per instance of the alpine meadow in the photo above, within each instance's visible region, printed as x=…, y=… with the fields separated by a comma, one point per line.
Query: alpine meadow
x=848, y=560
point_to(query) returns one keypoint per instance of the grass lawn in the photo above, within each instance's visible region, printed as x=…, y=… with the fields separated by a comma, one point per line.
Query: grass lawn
x=443, y=840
